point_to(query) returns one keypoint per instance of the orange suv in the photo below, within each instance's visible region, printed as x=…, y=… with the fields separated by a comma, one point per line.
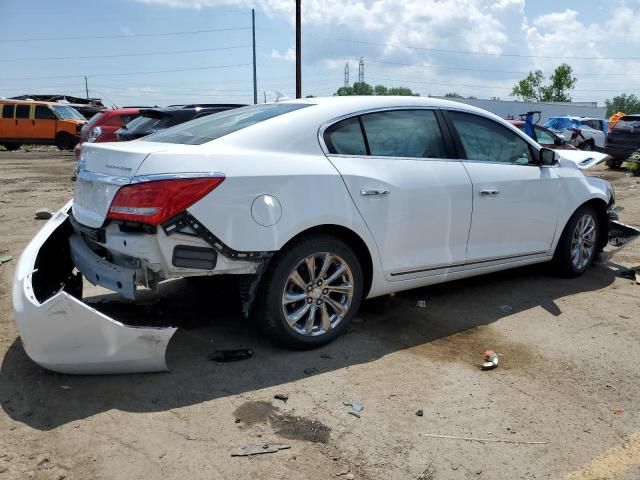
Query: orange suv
x=44, y=123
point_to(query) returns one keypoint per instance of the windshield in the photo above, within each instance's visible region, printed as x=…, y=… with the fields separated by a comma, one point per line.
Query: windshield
x=202, y=130
x=561, y=123
x=67, y=113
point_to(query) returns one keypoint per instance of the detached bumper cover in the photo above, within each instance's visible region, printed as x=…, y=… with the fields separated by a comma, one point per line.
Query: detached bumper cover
x=61, y=333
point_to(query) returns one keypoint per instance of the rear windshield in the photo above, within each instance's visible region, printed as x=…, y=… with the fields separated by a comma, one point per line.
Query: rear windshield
x=561, y=123
x=203, y=130
x=628, y=123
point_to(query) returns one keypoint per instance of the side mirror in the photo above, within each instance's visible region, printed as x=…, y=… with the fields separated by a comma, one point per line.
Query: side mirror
x=546, y=156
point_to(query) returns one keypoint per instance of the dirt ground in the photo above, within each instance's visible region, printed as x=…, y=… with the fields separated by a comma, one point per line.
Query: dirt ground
x=568, y=376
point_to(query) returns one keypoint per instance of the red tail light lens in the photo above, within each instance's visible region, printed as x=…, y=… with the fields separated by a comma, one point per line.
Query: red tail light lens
x=157, y=201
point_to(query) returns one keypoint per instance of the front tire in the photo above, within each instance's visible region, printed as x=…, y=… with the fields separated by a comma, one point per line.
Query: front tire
x=11, y=147
x=579, y=243
x=587, y=146
x=310, y=293
x=65, y=141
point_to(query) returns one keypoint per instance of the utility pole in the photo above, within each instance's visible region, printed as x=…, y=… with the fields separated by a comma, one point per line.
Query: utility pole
x=298, y=52
x=255, y=81
x=361, y=75
x=86, y=86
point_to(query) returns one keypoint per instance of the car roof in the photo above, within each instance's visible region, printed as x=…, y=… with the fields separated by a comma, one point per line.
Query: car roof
x=32, y=102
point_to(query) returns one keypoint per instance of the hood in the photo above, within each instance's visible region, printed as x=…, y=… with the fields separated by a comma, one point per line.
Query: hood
x=583, y=160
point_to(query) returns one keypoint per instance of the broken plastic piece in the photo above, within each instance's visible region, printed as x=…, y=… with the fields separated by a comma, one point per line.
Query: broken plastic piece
x=281, y=396
x=356, y=407
x=258, y=449
x=490, y=360
x=5, y=259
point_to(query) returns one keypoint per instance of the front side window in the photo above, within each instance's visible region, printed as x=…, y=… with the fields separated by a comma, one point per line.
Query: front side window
x=544, y=137
x=345, y=138
x=22, y=111
x=206, y=129
x=44, y=113
x=7, y=111
x=404, y=133
x=488, y=141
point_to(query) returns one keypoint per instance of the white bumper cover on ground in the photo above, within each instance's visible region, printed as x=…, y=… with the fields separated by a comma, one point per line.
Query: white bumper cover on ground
x=63, y=334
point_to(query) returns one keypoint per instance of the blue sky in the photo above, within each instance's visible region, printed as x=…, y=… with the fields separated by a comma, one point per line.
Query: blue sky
x=396, y=41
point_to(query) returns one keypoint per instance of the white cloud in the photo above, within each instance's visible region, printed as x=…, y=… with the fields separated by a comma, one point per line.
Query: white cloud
x=288, y=56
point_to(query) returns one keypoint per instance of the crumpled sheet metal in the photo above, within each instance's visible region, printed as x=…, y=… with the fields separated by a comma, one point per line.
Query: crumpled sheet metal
x=65, y=335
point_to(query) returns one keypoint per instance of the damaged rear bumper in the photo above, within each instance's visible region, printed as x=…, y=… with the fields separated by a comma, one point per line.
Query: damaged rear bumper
x=60, y=332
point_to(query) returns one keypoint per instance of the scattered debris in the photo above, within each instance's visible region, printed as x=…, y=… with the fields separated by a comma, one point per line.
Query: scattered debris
x=474, y=439
x=355, y=414
x=356, y=407
x=258, y=449
x=617, y=410
x=281, y=396
x=225, y=356
x=490, y=360
x=342, y=472
x=423, y=475
x=421, y=304
x=65, y=387
x=506, y=308
x=5, y=259
x=44, y=214
x=310, y=370
x=419, y=413
x=350, y=476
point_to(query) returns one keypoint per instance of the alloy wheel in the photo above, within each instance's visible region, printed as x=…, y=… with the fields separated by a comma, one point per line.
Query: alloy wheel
x=583, y=242
x=317, y=294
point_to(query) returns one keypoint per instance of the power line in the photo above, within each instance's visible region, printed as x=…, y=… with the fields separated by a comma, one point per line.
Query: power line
x=446, y=67
x=131, y=73
x=130, y=35
x=174, y=52
x=468, y=52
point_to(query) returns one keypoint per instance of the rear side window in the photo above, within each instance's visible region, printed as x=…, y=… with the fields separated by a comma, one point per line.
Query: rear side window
x=7, y=111
x=488, y=141
x=404, y=133
x=22, y=111
x=345, y=138
x=44, y=113
x=206, y=129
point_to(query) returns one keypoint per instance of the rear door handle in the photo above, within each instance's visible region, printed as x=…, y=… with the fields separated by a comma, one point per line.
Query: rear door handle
x=489, y=193
x=374, y=191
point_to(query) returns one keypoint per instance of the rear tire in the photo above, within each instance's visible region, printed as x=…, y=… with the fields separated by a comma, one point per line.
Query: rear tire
x=578, y=244
x=65, y=141
x=615, y=163
x=300, y=310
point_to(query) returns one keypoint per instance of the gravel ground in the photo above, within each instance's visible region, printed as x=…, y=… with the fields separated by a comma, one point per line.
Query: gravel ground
x=568, y=377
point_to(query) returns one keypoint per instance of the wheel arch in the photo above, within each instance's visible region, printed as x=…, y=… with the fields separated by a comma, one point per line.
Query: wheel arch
x=352, y=239
x=600, y=206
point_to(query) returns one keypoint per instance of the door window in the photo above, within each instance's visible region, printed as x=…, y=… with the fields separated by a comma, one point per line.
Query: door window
x=7, y=111
x=404, y=133
x=488, y=141
x=544, y=137
x=346, y=138
x=44, y=113
x=22, y=111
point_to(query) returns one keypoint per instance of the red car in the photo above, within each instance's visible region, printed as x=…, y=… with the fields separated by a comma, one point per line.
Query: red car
x=544, y=136
x=103, y=125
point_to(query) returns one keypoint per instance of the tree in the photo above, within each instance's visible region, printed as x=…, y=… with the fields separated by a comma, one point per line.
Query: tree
x=533, y=89
x=380, y=90
x=623, y=103
x=453, y=95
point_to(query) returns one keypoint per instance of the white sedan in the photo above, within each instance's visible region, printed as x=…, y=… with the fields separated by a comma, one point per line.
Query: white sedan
x=318, y=203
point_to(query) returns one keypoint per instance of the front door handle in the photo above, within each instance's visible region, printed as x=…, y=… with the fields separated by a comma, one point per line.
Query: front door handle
x=489, y=193
x=374, y=191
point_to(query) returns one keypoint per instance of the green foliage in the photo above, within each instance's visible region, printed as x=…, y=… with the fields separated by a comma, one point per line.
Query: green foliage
x=453, y=95
x=623, y=103
x=633, y=164
x=366, y=89
x=533, y=89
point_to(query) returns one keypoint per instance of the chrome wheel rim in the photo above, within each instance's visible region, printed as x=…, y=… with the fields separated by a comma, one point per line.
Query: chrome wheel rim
x=583, y=242
x=317, y=294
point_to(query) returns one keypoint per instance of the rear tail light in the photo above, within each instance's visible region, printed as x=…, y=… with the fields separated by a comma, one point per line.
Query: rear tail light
x=157, y=201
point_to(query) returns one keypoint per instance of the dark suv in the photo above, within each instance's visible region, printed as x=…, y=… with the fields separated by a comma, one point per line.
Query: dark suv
x=623, y=139
x=152, y=120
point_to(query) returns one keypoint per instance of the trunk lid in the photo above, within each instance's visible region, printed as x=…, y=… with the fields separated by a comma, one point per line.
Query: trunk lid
x=103, y=168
